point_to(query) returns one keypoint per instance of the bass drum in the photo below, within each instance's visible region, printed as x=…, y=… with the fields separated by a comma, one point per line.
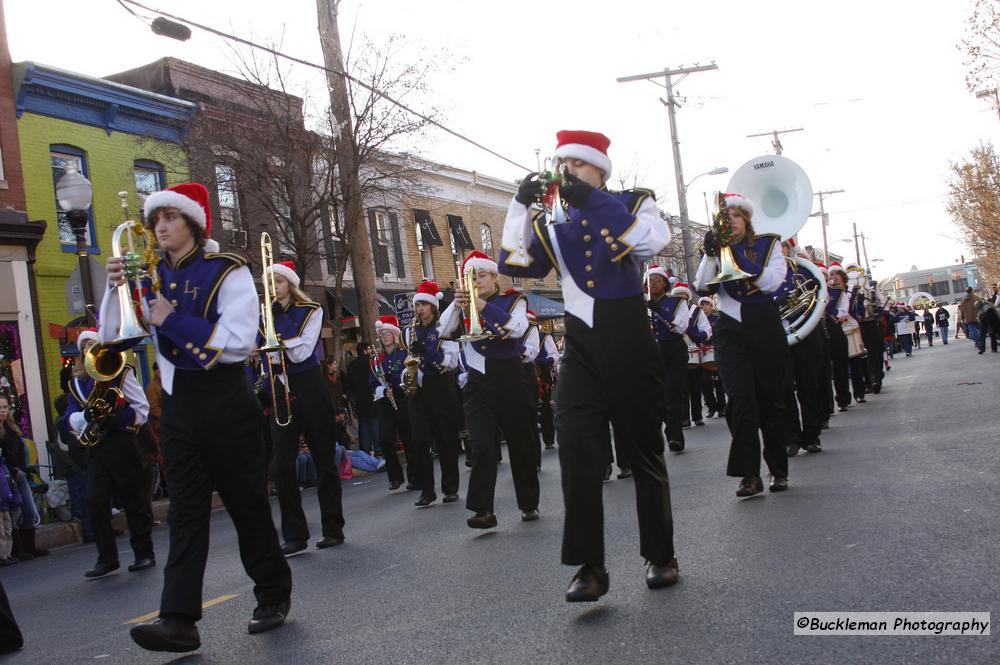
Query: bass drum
x=855, y=343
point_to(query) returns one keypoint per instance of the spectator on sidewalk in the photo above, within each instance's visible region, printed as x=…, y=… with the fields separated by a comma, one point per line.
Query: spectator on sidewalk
x=10, y=504
x=968, y=315
x=941, y=317
x=15, y=456
x=361, y=398
x=73, y=469
x=335, y=383
x=929, y=326
x=917, y=320
x=989, y=324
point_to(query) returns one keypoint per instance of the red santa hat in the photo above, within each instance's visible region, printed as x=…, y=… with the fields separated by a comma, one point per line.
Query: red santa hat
x=287, y=270
x=88, y=334
x=428, y=292
x=739, y=201
x=681, y=290
x=388, y=322
x=836, y=267
x=532, y=316
x=591, y=147
x=191, y=198
x=822, y=267
x=480, y=261
x=655, y=269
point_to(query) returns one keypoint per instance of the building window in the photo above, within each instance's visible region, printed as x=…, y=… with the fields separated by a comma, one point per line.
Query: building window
x=959, y=285
x=487, y=240
x=148, y=179
x=63, y=158
x=229, y=200
x=426, y=264
x=385, y=235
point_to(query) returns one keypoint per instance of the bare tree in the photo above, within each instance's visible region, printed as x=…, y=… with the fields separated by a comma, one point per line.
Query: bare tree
x=981, y=46
x=974, y=204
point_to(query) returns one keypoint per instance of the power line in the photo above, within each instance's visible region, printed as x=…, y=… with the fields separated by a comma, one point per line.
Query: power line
x=374, y=91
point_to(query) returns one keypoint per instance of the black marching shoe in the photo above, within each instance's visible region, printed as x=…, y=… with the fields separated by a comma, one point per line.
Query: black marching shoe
x=550, y=446
x=268, y=617
x=425, y=500
x=711, y=414
x=167, y=634
x=699, y=423
x=589, y=584
x=825, y=424
x=329, y=541
x=449, y=498
x=101, y=569
x=141, y=564
x=626, y=472
x=395, y=485
x=813, y=447
x=686, y=424
x=792, y=449
x=778, y=484
x=860, y=400
x=675, y=446
x=529, y=515
x=607, y=474
x=749, y=486
x=293, y=547
x=658, y=577
x=482, y=520
x=410, y=487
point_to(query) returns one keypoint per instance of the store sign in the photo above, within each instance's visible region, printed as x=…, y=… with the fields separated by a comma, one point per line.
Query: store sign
x=403, y=304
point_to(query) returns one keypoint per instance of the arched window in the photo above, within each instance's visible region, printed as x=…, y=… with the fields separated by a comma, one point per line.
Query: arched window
x=64, y=157
x=487, y=238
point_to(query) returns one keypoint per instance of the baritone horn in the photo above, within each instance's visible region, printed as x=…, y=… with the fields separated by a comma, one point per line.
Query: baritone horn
x=271, y=342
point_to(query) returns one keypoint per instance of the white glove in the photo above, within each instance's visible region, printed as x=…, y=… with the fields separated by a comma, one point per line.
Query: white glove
x=77, y=423
x=379, y=393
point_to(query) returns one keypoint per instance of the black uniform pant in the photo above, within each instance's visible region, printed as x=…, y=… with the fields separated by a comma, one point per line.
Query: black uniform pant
x=753, y=357
x=694, y=391
x=393, y=429
x=434, y=417
x=546, y=421
x=611, y=372
x=117, y=468
x=826, y=389
x=10, y=633
x=859, y=376
x=210, y=434
x=498, y=398
x=675, y=355
x=838, y=356
x=531, y=388
x=807, y=365
x=614, y=450
x=871, y=335
x=312, y=419
x=711, y=387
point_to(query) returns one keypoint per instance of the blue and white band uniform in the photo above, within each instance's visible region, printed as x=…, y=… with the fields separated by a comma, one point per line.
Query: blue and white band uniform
x=598, y=255
x=548, y=354
x=129, y=417
x=836, y=306
x=504, y=315
x=697, y=334
x=530, y=345
x=440, y=355
x=299, y=326
x=215, y=318
x=670, y=316
x=768, y=275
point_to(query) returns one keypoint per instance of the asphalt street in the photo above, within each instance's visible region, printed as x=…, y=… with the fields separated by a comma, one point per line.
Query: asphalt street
x=898, y=513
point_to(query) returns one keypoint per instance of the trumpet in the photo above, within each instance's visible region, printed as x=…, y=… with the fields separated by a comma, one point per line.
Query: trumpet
x=468, y=282
x=271, y=342
x=729, y=271
x=412, y=362
x=555, y=212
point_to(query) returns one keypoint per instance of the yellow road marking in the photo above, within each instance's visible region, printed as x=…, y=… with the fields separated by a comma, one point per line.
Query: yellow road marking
x=208, y=603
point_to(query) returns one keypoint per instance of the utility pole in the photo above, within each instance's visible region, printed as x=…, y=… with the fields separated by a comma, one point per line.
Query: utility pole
x=359, y=243
x=774, y=133
x=823, y=219
x=671, y=103
x=857, y=249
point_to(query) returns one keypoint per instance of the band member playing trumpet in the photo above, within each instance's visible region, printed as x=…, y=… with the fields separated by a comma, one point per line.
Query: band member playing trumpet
x=433, y=402
x=750, y=347
x=204, y=323
x=495, y=395
x=386, y=384
x=669, y=315
x=298, y=322
x=610, y=354
x=115, y=465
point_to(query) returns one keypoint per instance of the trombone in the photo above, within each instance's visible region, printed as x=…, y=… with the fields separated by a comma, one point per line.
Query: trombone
x=468, y=282
x=271, y=342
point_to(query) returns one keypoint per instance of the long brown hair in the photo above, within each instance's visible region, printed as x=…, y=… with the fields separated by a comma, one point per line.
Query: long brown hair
x=749, y=233
x=9, y=420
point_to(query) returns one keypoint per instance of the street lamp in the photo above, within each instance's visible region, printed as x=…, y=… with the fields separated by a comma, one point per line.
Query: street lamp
x=992, y=92
x=75, y=193
x=718, y=170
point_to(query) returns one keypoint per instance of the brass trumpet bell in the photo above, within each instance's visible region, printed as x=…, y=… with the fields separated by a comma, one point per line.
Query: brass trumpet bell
x=729, y=271
x=103, y=362
x=475, y=332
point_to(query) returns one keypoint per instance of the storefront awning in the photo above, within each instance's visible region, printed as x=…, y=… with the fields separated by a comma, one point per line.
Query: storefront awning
x=544, y=308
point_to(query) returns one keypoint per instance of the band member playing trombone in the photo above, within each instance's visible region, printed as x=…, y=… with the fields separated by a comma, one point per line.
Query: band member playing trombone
x=386, y=384
x=494, y=394
x=115, y=465
x=433, y=401
x=750, y=346
x=298, y=322
x=204, y=321
x=597, y=243
x=669, y=315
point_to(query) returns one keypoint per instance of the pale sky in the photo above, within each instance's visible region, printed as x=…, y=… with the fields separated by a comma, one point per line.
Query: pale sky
x=878, y=86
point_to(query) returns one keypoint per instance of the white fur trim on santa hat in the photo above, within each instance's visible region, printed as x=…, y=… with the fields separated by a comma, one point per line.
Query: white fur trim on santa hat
x=658, y=270
x=287, y=273
x=741, y=202
x=170, y=199
x=680, y=290
x=673, y=280
x=426, y=297
x=86, y=335
x=382, y=325
x=837, y=268
x=705, y=300
x=483, y=264
x=587, y=154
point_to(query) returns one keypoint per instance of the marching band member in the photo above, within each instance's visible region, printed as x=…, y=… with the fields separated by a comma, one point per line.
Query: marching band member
x=547, y=364
x=826, y=368
x=695, y=335
x=860, y=381
x=299, y=322
x=115, y=466
x=836, y=315
x=715, y=396
x=670, y=316
x=751, y=350
x=610, y=354
x=386, y=382
x=435, y=408
x=495, y=395
x=204, y=324
x=530, y=347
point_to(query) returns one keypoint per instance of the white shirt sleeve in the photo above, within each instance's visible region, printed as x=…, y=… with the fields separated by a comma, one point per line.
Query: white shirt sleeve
x=774, y=272
x=682, y=316
x=450, y=350
x=650, y=233
x=707, y=269
x=136, y=397
x=703, y=323
x=518, y=324
x=531, y=345
x=842, y=306
x=239, y=313
x=298, y=349
x=451, y=321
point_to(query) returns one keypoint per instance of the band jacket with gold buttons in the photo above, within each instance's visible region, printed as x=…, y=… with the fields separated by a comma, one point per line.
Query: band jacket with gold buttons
x=432, y=359
x=744, y=290
x=192, y=286
x=392, y=366
x=494, y=317
x=289, y=324
x=594, y=245
x=661, y=313
x=833, y=303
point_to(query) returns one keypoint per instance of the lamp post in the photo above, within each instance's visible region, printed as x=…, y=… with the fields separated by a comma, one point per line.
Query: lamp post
x=992, y=92
x=75, y=193
x=686, y=221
